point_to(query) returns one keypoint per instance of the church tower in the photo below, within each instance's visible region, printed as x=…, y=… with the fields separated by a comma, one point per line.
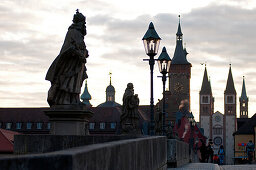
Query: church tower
x=86, y=97
x=110, y=96
x=243, y=102
x=229, y=117
x=179, y=78
x=206, y=106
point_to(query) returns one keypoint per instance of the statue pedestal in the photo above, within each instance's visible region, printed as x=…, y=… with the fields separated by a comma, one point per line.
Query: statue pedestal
x=69, y=119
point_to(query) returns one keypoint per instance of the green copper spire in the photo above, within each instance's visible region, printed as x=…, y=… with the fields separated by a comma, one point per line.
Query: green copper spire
x=243, y=95
x=86, y=95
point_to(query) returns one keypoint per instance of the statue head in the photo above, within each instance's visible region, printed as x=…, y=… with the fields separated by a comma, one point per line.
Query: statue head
x=79, y=22
x=130, y=86
x=184, y=105
x=78, y=17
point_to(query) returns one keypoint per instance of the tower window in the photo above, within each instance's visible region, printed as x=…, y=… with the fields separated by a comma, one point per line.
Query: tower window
x=217, y=130
x=230, y=99
x=205, y=99
x=243, y=104
x=230, y=109
x=205, y=109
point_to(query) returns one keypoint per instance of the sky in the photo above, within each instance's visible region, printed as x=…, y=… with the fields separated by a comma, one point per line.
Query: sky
x=216, y=32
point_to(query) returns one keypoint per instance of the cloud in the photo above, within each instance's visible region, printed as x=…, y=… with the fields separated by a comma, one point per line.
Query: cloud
x=32, y=34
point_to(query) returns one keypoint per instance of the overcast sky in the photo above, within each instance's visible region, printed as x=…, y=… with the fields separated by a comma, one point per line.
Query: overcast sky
x=216, y=32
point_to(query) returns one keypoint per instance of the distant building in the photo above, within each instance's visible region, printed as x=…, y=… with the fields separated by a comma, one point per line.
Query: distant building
x=179, y=79
x=110, y=96
x=242, y=136
x=217, y=126
x=25, y=120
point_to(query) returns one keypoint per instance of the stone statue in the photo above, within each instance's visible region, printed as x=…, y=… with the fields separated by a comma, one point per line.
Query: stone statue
x=130, y=116
x=68, y=70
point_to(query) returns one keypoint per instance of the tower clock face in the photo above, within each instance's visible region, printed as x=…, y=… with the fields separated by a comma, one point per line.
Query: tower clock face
x=178, y=87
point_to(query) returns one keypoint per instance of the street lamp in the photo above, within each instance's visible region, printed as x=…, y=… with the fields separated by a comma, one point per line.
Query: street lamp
x=164, y=63
x=151, y=42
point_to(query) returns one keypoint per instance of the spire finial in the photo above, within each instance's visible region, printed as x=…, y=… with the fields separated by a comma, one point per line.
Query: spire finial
x=179, y=18
x=110, y=74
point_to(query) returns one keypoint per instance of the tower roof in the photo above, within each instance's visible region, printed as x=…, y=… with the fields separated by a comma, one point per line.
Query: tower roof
x=230, y=87
x=243, y=94
x=110, y=88
x=179, y=33
x=206, y=85
x=86, y=95
x=179, y=56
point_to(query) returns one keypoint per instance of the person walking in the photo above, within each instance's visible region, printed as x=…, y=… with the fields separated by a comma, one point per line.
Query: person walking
x=209, y=152
x=203, y=151
x=221, y=154
x=249, y=150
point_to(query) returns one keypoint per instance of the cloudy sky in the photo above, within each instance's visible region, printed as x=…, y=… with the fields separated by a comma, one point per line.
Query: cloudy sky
x=216, y=32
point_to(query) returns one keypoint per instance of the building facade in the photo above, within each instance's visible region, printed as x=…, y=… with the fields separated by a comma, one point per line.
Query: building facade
x=217, y=126
x=179, y=79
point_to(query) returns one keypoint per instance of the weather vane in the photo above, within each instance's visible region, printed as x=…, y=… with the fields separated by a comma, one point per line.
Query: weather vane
x=110, y=74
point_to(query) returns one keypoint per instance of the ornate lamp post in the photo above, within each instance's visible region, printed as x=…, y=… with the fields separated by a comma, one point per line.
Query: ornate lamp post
x=164, y=63
x=151, y=42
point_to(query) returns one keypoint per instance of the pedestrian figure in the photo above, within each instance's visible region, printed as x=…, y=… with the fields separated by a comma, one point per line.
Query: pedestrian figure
x=209, y=152
x=203, y=151
x=249, y=151
x=221, y=154
x=215, y=159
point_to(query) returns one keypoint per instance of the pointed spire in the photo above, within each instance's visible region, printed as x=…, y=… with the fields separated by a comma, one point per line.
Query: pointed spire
x=230, y=87
x=179, y=33
x=86, y=95
x=243, y=94
x=206, y=85
x=179, y=56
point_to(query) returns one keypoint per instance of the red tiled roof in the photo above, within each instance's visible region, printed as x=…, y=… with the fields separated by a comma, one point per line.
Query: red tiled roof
x=6, y=140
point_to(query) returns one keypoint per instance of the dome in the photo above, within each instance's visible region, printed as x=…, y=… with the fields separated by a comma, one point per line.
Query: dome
x=109, y=104
x=110, y=88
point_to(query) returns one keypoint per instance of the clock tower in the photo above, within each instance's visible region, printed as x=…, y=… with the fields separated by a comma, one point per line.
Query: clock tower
x=179, y=78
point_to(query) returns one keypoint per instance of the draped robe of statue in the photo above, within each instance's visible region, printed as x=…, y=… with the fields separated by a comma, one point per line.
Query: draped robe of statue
x=130, y=116
x=68, y=70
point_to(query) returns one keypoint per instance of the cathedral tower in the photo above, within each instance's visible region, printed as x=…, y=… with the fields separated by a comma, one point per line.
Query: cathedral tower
x=206, y=106
x=243, y=102
x=229, y=117
x=179, y=78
